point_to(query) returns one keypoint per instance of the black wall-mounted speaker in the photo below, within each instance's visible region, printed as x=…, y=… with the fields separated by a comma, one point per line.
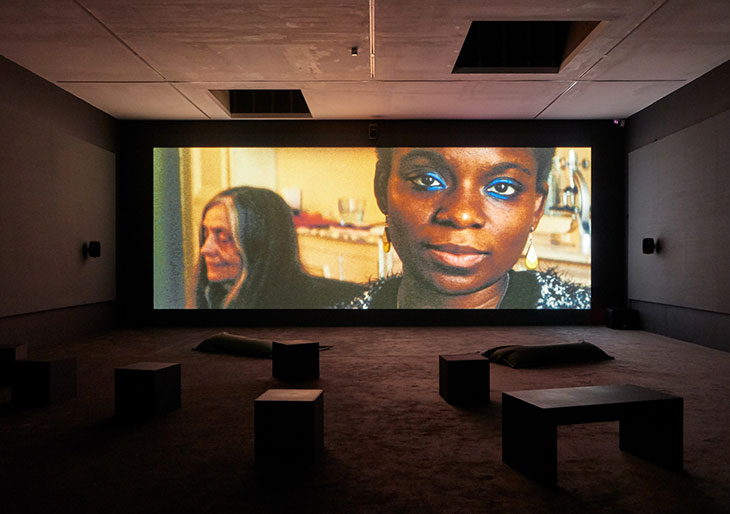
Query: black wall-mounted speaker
x=373, y=131
x=94, y=249
x=648, y=245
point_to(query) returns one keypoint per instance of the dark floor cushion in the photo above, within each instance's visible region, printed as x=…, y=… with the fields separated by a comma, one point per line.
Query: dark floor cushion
x=517, y=356
x=232, y=344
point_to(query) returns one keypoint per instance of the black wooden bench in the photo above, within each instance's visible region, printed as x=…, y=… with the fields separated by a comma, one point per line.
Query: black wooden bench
x=650, y=424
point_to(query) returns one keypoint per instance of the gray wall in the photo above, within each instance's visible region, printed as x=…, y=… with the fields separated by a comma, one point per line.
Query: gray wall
x=58, y=175
x=679, y=194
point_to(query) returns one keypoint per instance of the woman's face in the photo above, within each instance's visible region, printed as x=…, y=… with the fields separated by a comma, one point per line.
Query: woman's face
x=223, y=260
x=459, y=218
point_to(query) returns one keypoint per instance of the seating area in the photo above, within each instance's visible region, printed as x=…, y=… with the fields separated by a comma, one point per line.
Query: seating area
x=289, y=428
x=386, y=441
x=43, y=381
x=9, y=353
x=295, y=360
x=650, y=424
x=147, y=389
x=464, y=378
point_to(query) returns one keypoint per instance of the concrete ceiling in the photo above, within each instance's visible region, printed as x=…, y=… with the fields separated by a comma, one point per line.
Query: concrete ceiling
x=159, y=59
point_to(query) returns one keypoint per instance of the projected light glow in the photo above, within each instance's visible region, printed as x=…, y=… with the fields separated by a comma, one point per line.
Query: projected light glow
x=303, y=228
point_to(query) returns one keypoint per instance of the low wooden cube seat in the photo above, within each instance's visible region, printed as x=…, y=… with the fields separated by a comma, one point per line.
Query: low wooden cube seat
x=288, y=426
x=464, y=378
x=43, y=382
x=147, y=389
x=295, y=360
x=650, y=424
x=9, y=353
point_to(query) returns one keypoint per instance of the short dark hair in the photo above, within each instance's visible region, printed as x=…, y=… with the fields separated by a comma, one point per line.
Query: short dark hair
x=543, y=156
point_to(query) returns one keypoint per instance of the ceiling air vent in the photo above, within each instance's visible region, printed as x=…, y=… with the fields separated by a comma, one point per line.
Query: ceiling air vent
x=263, y=103
x=521, y=46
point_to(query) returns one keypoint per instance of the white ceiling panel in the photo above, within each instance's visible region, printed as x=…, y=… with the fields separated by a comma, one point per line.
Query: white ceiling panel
x=157, y=59
x=144, y=101
x=421, y=40
x=220, y=40
x=607, y=100
x=436, y=100
x=681, y=41
x=402, y=100
x=59, y=40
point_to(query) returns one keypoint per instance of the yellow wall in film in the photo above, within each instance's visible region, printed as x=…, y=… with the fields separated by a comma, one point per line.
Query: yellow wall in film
x=326, y=174
x=321, y=174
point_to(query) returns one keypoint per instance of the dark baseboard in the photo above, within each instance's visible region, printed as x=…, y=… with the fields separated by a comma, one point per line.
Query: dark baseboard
x=58, y=325
x=705, y=328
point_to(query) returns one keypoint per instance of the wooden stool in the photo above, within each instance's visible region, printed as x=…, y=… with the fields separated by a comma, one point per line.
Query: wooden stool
x=288, y=426
x=650, y=424
x=147, y=389
x=464, y=378
x=295, y=360
x=43, y=382
x=9, y=353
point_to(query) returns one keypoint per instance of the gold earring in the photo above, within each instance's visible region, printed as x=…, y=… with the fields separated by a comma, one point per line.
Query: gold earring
x=386, y=237
x=531, y=260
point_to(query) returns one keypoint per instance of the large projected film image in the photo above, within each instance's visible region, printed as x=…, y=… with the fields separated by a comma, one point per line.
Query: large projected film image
x=367, y=228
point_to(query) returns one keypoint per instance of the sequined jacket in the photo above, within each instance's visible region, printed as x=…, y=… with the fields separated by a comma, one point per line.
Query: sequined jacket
x=526, y=290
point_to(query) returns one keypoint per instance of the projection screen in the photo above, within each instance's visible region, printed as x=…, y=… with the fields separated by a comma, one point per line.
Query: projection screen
x=372, y=228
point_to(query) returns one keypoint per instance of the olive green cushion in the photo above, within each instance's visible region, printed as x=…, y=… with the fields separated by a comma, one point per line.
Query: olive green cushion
x=232, y=344
x=517, y=356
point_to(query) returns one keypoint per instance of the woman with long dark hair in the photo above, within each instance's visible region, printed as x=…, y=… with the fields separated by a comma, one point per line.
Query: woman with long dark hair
x=249, y=257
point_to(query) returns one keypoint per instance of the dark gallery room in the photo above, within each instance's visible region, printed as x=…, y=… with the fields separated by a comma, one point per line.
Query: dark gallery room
x=364, y=256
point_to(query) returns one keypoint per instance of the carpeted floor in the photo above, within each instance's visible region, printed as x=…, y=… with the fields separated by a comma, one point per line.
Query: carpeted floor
x=392, y=444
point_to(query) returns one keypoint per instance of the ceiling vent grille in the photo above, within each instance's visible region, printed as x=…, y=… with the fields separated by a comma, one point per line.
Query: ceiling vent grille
x=263, y=103
x=521, y=46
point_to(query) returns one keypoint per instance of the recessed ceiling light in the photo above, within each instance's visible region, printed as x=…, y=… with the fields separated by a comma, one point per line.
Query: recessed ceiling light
x=521, y=46
x=263, y=103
